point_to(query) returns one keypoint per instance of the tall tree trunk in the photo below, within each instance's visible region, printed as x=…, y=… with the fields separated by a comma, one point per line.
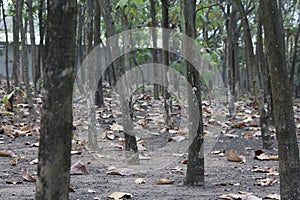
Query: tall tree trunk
x=23, y=31
x=56, y=125
x=288, y=151
x=294, y=58
x=154, y=50
x=6, y=47
x=97, y=40
x=130, y=140
x=166, y=62
x=16, y=63
x=32, y=39
x=92, y=132
x=231, y=59
x=40, y=60
x=258, y=90
x=195, y=167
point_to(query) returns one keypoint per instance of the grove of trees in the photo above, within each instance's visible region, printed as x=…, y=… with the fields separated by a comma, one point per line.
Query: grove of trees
x=253, y=45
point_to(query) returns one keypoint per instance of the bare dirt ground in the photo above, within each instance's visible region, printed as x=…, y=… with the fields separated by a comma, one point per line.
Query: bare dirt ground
x=162, y=155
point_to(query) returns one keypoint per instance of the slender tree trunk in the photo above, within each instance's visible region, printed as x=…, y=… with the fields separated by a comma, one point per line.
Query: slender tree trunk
x=195, y=167
x=166, y=62
x=32, y=39
x=288, y=151
x=97, y=40
x=294, y=58
x=56, y=128
x=23, y=31
x=40, y=60
x=130, y=140
x=154, y=50
x=16, y=63
x=258, y=90
x=6, y=47
x=92, y=132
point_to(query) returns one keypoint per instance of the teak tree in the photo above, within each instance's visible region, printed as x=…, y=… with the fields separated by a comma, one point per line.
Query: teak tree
x=195, y=167
x=56, y=124
x=288, y=151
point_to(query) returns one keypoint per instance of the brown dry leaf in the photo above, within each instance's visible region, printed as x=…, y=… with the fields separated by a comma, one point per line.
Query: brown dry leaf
x=78, y=168
x=14, y=162
x=120, y=196
x=14, y=182
x=140, y=181
x=183, y=131
x=117, y=146
x=26, y=176
x=266, y=182
x=5, y=153
x=25, y=128
x=112, y=170
x=268, y=171
x=273, y=196
x=5, y=130
x=164, y=181
x=263, y=156
x=233, y=157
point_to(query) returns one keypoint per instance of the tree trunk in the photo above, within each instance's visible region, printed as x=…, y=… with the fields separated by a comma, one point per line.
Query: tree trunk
x=294, y=58
x=258, y=90
x=97, y=40
x=92, y=132
x=40, y=60
x=154, y=50
x=288, y=151
x=56, y=125
x=6, y=47
x=16, y=63
x=195, y=167
x=130, y=140
x=34, y=67
x=166, y=62
x=23, y=31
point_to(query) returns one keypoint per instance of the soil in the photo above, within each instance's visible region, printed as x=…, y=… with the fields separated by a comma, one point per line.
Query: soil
x=162, y=156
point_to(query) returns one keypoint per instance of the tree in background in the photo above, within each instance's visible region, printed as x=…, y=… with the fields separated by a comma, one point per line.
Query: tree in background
x=56, y=124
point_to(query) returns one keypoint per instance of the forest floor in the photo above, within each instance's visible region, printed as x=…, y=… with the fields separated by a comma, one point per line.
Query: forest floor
x=160, y=173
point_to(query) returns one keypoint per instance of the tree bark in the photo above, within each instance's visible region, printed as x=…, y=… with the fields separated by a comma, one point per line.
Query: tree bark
x=56, y=124
x=34, y=67
x=166, y=62
x=154, y=50
x=97, y=40
x=130, y=140
x=40, y=59
x=16, y=63
x=258, y=90
x=23, y=30
x=6, y=47
x=288, y=151
x=195, y=167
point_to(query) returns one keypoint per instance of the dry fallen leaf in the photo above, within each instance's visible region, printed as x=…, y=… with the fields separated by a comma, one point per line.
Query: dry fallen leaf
x=233, y=157
x=266, y=182
x=5, y=154
x=178, y=138
x=164, y=181
x=26, y=176
x=14, y=182
x=78, y=168
x=120, y=196
x=273, y=196
x=112, y=170
x=140, y=181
